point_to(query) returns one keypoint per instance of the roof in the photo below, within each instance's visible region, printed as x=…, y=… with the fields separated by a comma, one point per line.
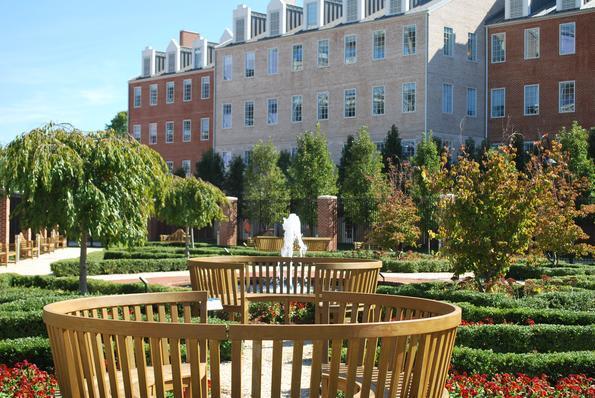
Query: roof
x=539, y=8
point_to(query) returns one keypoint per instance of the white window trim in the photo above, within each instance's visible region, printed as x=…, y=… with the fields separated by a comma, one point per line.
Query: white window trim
x=184, y=90
x=291, y=113
x=403, y=97
x=173, y=131
x=156, y=133
x=560, y=96
x=269, y=60
x=454, y=42
x=476, y=49
x=223, y=116
x=492, y=103
x=452, y=98
x=403, y=41
x=492, y=48
x=253, y=119
x=202, y=84
x=344, y=107
x=246, y=65
x=328, y=61
x=208, y=130
x=525, y=37
x=267, y=102
x=291, y=57
x=167, y=101
x=384, y=94
x=525, y=100
x=345, y=49
x=156, y=87
x=184, y=131
x=374, y=45
x=560, y=38
x=230, y=57
x=467, y=102
x=328, y=107
x=140, y=97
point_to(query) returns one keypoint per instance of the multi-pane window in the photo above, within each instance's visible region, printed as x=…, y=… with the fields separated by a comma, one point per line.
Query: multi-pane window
x=409, y=97
x=198, y=58
x=205, y=124
x=449, y=42
x=472, y=47
x=409, y=39
x=137, y=97
x=567, y=95
x=471, y=102
x=396, y=6
x=323, y=53
x=249, y=114
x=350, y=49
x=351, y=11
x=153, y=93
x=567, y=38
x=498, y=102
x=205, y=87
x=275, y=23
x=498, y=47
x=349, y=102
x=169, y=132
x=187, y=167
x=532, y=43
x=296, y=108
x=153, y=133
x=187, y=90
x=447, y=98
x=322, y=106
x=170, y=166
x=273, y=61
x=379, y=44
x=187, y=131
x=171, y=62
x=297, y=57
x=240, y=35
x=378, y=100
x=250, y=59
x=408, y=148
x=272, y=111
x=227, y=67
x=531, y=100
x=146, y=66
x=170, y=90
x=136, y=132
x=226, y=122
x=311, y=15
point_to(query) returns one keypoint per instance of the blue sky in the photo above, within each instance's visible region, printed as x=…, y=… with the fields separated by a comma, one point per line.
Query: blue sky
x=70, y=60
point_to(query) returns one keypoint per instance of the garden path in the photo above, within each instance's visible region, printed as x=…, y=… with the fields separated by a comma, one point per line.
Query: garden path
x=41, y=265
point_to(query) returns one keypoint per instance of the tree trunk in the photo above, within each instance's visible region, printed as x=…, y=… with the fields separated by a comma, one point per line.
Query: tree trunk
x=83, y=288
x=187, y=250
x=192, y=235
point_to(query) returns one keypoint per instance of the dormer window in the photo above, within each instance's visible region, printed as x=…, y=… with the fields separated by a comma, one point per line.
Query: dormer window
x=567, y=4
x=171, y=62
x=516, y=8
x=396, y=6
x=240, y=28
x=198, y=58
x=311, y=15
x=275, y=23
x=146, y=66
x=351, y=11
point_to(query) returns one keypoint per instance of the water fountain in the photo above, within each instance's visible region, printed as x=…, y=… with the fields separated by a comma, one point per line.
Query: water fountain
x=292, y=228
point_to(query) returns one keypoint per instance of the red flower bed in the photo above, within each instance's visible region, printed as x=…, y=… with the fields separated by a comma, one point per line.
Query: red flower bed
x=507, y=385
x=25, y=380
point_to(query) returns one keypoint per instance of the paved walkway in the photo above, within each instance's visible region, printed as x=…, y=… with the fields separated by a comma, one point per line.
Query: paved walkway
x=41, y=265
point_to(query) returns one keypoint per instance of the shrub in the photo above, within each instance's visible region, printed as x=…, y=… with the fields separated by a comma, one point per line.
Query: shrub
x=573, y=300
x=17, y=324
x=522, y=272
x=523, y=316
x=124, y=266
x=421, y=265
x=35, y=349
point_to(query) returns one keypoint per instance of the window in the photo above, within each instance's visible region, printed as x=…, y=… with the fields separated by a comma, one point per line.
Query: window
x=471, y=102
x=408, y=148
x=137, y=96
x=249, y=114
x=170, y=166
x=532, y=43
x=249, y=64
x=567, y=97
x=247, y=155
x=226, y=123
x=449, y=42
x=349, y=102
x=273, y=61
x=146, y=66
x=567, y=38
x=409, y=39
x=472, y=47
x=170, y=91
x=205, y=87
x=136, y=132
x=350, y=49
x=498, y=47
x=275, y=18
x=516, y=8
x=272, y=111
x=186, y=166
x=171, y=62
x=153, y=91
x=395, y=6
x=187, y=90
x=198, y=58
x=296, y=108
x=323, y=53
x=205, y=124
x=169, y=132
x=297, y=57
x=227, y=67
x=409, y=97
x=379, y=43
x=311, y=15
x=498, y=102
x=378, y=101
x=322, y=106
x=240, y=30
x=351, y=12
x=187, y=131
x=447, y=98
x=153, y=133
x=531, y=100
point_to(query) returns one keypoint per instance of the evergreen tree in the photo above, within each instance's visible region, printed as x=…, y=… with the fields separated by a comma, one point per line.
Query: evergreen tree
x=234, y=178
x=393, y=150
x=345, y=154
x=284, y=162
x=210, y=168
x=119, y=124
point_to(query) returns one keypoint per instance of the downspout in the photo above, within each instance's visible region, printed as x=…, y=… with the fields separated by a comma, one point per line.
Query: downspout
x=426, y=71
x=486, y=93
x=214, y=98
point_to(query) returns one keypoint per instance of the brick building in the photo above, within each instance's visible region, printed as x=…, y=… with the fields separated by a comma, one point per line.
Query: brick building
x=170, y=105
x=541, y=68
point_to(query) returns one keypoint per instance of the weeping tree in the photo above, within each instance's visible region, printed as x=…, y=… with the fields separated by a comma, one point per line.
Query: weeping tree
x=192, y=203
x=98, y=185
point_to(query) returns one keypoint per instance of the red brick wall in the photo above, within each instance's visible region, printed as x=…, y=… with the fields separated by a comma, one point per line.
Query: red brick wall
x=177, y=112
x=547, y=71
x=186, y=38
x=327, y=220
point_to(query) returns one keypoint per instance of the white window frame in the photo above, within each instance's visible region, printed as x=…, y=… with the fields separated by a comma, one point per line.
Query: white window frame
x=137, y=132
x=474, y=57
x=492, y=47
x=309, y=13
x=573, y=24
x=170, y=166
x=354, y=103
x=246, y=114
x=270, y=70
x=228, y=68
x=205, y=134
x=374, y=58
x=328, y=53
x=205, y=82
x=223, y=114
x=152, y=133
x=153, y=89
x=295, y=66
x=294, y=114
x=403, y=97
x=405, y=40
x=188, y=170
x=138, y=95
x=374, y=113
x=173, y=132
x=525, y=100
x=187, y=138
x=526, y=40
x=560, y=96
x=451, y=42
x=474, y=115
x=445, y=99
x=269, y=120
x=169, y=100
x=318, y=108
x=249, y=57
x=187, y=84
x=503, y=89
x=351, y=60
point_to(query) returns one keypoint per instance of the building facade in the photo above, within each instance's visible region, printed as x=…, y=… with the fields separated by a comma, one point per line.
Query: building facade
x=170, y=106
x=541, y=70
x=419, y=65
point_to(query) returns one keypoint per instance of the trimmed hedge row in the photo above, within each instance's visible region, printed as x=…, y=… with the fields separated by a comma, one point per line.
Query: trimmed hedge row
x=521, y=339
x=522, y=316
x=17, y=324
x=586, y=282
x=131, y=266
x=32, y=349
x=522, y=272
x=554, y=365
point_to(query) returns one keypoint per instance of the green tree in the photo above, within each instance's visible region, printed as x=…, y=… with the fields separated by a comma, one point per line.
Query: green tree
x=363, y=184
x=119, y=124
x=392, y=150
x=192, y=203
x=210, y=168
x=284, y=162
x=522, y=157
x=234, y=177
x=575, y=142
x=312, y=173
x=265, y=187
x=345, y=160
x=426, y=164
x=180, y=172
x=592, y=143
x=98, y=185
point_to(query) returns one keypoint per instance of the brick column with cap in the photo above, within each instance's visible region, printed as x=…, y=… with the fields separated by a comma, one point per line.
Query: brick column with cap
x=4, y=225
x=327, y=220
x=228, y=230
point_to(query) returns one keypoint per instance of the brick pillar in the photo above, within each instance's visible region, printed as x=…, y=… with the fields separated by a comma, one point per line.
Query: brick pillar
x=327, y=220
x=4, y=225
x=228, y=230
